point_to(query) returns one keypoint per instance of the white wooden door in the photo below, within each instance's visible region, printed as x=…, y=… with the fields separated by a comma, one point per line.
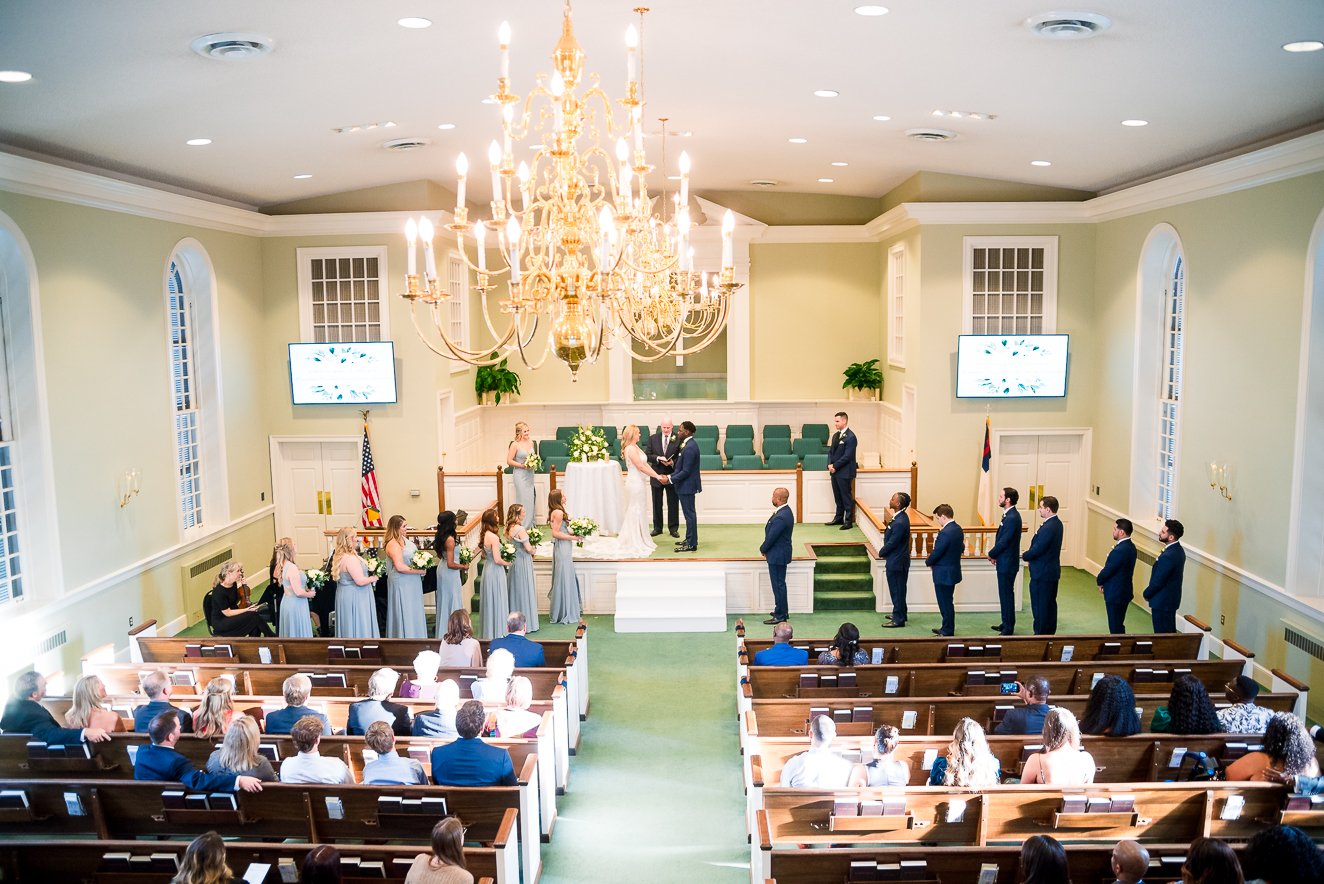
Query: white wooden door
x=1018, y=467
x=1046, y=464
x=316, y=489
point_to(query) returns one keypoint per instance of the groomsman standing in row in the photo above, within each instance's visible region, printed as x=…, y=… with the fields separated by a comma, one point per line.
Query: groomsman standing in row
x=1164, y=590
x=1045, y=558
x=945, y=562
x=776, y=549
x=841, y=464
x=1115, y=580
x=1006, y=558
x=895, y=554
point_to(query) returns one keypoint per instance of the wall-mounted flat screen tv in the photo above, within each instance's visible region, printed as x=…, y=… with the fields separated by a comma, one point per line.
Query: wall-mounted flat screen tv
x=1011, y=366
x=354, y=373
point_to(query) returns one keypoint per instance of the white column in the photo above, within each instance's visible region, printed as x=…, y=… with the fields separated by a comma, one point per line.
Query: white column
x=737, y=324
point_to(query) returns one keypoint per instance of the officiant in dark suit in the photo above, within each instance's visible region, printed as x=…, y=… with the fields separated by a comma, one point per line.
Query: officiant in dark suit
x=663, y=446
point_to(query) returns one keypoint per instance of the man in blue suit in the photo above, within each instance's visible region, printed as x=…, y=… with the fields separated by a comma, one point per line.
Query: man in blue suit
x=686, y=479
x=1006, y=558
x=895, y=553
x=945, y=562
x=782, y=653
x=161, y=761
x=1115, y=579
x=469, y=761
x=1164, y=590
x=841, y=464
x=1045, y=558
x=526, y=653
x=776, y=549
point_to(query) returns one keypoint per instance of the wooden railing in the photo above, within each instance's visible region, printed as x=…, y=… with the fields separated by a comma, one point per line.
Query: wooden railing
x=978, y=540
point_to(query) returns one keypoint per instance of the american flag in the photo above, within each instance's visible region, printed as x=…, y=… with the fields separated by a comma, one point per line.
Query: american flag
x=372, y=504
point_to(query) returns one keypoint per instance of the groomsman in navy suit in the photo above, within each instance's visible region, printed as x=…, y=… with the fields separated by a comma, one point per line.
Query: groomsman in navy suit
x=776, y=549
x=841, y=464
x=686, y=479
x=1006, y=558
x=945, y=562
x=1115, y=580
x=1164, y=590
x=895, y=554
x=1045, y=558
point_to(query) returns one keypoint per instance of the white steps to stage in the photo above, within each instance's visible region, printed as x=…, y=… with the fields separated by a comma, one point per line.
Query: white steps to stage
x=663, y=603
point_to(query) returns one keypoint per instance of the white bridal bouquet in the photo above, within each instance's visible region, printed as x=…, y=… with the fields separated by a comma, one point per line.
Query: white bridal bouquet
x=315, y=578
x=588, y=444
x=533, y=461
x=582, y=528
x=422, y=560
x=507, y=552
x=536, y=536
x=375, y=566
x=464, y=554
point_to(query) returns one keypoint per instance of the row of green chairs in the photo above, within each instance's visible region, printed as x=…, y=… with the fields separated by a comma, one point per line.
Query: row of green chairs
x=821, y=432
x=713, y=461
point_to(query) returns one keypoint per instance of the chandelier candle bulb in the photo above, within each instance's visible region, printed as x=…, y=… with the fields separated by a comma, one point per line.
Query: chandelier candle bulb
x=503, y=38
x=429, y=256
x=631, y=49
x=480, y=240
x=462, y=170
x=411, y=240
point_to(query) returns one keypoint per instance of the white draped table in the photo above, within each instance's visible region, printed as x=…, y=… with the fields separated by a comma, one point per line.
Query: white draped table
x=596, y=490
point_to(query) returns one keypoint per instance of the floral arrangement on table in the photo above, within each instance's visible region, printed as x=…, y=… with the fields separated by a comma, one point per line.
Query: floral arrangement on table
x=581, y=528
x=507, y=551
x=464, y=554
x=588, y=445
x=536, y=537
x=422, y=560
x=533, y=461
x=373, y=564
x=315, y=578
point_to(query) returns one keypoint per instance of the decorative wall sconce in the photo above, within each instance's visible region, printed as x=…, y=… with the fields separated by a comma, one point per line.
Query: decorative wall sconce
x=129, y=484
x=1220, y=478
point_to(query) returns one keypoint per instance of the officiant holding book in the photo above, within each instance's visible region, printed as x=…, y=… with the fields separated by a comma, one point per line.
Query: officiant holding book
x=663, y=446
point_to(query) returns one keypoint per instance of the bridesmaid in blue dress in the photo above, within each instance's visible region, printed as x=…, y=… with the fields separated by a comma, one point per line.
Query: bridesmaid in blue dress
x=565, y=583
x=493, y=597
x=450, y=594
x=516, y=454
x=295, y=618
x=356, y=609
x=522, y=596
x=404, y=584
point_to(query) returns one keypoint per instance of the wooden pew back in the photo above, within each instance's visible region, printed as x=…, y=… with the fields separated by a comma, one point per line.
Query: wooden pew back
x=395, y=652
x=1014, y=648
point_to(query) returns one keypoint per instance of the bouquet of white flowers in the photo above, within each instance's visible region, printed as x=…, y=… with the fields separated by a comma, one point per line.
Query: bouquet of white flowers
x=588, y=444
x=533, y=461
x=507, y=552
x=582, y=528
x=464, y=554
x=375, y=566
x=536, y=536
x=315, y=578
x=422, y=559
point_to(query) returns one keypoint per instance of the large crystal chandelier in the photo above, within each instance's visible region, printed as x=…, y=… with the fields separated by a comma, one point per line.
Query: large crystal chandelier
x=581, y=247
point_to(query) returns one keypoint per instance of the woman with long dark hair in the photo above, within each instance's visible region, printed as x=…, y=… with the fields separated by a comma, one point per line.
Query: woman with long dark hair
x=845, y=649
x=565, y=583
x=1210, y=861
x=445, y=865
x=1044, y=861
x=1189, y=710
x=449, y=569
x=494, y=593
x=1288, y=749
x=1111, y=709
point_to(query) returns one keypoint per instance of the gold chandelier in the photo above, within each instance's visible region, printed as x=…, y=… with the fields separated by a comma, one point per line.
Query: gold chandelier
x=579, y=243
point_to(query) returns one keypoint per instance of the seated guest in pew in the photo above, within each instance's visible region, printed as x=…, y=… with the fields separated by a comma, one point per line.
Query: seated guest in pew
x=1062, y=762
x=378, y=707
x=89, y=709
x=389, y=768
x=424, y=684
x=885, y=769
x=1243, y=716
x=1210, y=861
x=968, y=763
x=516, y=720
x=440, y=722
x=469, y=761
x=492, y=687
x=782, y=653
x=1044, y=861
x=1130, y=862
x=1111, y=709
x=24, y=714
x=445, y=865
x=1027, y=719
x=321, y=865
x=296, y=690
x=160, y=761
x=458, y=645
x=204, y=862
x=213, y=715
x=525, y=651
x=1288, y=750
x=238, y=753
x=820, y=767
x=1189, y=710
x=1283, y=855
x=310, y=766
x=845, y=649
x=156, y=686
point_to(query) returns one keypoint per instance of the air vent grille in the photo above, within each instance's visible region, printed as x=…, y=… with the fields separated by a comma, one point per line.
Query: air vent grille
x=403, y=144
x=1068, y=25
x=1299, y=639
x=930, y=135
x=51, y=642
x=211, y=564
x=232, y=47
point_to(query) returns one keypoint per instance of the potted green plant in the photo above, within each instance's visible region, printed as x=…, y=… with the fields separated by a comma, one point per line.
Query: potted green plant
x=862, y=376
x=496, y=380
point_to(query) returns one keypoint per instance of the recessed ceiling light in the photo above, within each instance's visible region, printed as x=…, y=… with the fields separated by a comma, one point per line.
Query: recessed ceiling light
x=798, y=140
x=871, y=10
x=1135, y=123
x=966, y=115
x=446, y=126
x=415, y=23
x=839, y=163
x=826, y=180
x=882, y=118
x=1040, y=163
x=302, y=175
x=14, y=76
x=1304, y=46
x=826, y=93
x=198, y=142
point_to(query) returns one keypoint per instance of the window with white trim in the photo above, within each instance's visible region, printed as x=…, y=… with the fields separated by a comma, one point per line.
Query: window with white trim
x=457, y=284
x=11, y=565
x=184, y=394
x=896, y=305
x=1170, y=388
x=1010, y=285
x=343, y=294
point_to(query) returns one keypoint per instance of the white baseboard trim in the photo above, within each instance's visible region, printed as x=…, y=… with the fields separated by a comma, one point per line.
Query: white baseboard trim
x=1092, y=566
x=174, y=627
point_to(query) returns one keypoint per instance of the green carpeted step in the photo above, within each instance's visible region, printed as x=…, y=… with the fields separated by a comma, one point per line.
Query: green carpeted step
x=840, y=550
x=842, y=583
x=842, y=565
x=843, y=600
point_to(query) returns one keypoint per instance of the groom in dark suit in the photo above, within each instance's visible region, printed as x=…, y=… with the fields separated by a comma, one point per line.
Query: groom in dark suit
x=663, y=446
x=686, y=479
x=841, y=464
x=776, y=549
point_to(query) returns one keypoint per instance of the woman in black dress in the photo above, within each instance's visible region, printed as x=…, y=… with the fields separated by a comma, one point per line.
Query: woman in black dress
x=230, y=613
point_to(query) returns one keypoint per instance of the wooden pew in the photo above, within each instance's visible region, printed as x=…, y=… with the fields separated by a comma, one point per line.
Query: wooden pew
x=70, y=860
x=126, y=810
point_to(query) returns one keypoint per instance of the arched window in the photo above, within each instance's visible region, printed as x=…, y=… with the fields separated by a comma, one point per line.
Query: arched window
x=1170, y=389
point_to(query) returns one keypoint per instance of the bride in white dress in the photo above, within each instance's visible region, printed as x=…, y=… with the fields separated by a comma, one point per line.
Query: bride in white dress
x=634, y=540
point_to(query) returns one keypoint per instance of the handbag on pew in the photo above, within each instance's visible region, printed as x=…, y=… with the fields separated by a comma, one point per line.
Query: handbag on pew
x=1199, y=767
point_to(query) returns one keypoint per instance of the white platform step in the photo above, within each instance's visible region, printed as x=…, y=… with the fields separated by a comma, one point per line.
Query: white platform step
x=658, y=603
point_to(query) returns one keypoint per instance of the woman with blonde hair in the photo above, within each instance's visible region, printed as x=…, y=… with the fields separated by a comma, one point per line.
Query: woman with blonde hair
x=565, y=583
x=238, y=753
x=968, y=764
x=295, y=619
x=1062, y=762
x=522, y=595
x=515, y=719
x=493, y=594
x=212, y=717
x=404, y=584
x=634, y=540
x=458, y=645
x=516, y=454
x=89, y=709
x=356, y=609
x=231, y=614
x=204, y=862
